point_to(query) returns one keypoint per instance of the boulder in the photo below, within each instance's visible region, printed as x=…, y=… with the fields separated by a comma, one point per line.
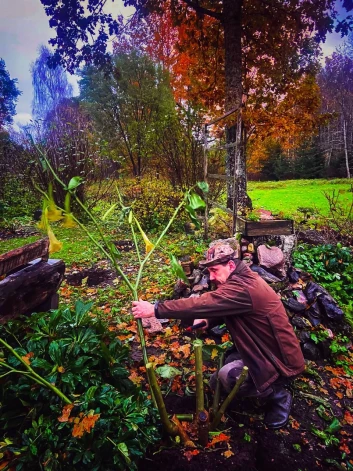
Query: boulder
x=268, y=277
x=271, y=258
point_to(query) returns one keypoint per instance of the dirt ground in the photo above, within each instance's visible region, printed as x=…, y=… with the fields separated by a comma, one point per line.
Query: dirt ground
x=251, y=446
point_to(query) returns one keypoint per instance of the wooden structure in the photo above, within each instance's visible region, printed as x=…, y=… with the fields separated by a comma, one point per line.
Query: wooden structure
x=264, y=227
x=208, y=146
x=30, y=280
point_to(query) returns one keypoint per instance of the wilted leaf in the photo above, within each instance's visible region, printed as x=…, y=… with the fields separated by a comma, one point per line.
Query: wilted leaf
x=66, y=413
x=26, y=358
x=228, y=453
x=168, y=372
x=348, y=417
x=221, y=437
x=190, y=453
x=85, y=425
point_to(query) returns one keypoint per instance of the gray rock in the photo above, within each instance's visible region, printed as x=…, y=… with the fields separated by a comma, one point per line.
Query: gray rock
x=311, y=351
x=272, y=258
x=265, y=274
x=300, y=322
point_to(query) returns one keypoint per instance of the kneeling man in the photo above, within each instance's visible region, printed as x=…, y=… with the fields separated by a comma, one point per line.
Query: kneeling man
x=259, y=326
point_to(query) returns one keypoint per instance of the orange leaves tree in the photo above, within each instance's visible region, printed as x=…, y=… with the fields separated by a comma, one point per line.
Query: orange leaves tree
x=270, y=38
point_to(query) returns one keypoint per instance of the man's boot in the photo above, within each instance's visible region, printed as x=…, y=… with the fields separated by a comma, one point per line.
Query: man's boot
x=279, y=404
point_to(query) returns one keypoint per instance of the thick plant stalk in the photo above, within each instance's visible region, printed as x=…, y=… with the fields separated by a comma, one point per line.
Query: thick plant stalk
x=182, y=433
x=170, y=428
x=33, y=375
x=203, y=425
x=218, y=416
x=200, y=406
x=217, y=393
x=185, y=417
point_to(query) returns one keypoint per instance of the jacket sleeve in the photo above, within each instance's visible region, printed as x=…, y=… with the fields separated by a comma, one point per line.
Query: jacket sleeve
x=228, y=300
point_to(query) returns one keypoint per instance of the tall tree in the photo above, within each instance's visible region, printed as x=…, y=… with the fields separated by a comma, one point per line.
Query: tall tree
x=272, y=35
x=336, y=83
x=50, y=85
x=128, y=104
x=9, y=94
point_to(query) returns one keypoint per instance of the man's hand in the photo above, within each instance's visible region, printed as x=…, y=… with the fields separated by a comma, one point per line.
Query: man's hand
x=197, y=321
x=142, y=309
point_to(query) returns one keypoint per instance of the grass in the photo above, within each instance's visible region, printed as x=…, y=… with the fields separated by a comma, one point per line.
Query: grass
x=287, y=196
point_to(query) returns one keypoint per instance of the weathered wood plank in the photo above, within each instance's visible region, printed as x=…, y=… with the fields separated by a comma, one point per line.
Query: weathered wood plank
x=265, y=227
x=9, y=261
x=217, y=176
x=23, y=291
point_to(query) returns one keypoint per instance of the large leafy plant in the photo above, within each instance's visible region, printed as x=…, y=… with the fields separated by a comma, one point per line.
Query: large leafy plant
x=107, y=422
x=331, y=265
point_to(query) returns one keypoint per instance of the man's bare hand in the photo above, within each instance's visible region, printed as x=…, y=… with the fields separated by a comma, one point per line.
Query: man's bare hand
x=204, y=328
x=142, y=309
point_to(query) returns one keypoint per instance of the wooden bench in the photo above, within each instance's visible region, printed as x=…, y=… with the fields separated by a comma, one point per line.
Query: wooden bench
x=29, y=280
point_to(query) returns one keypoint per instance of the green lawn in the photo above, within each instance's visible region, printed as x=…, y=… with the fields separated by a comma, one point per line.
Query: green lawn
x=287, y=196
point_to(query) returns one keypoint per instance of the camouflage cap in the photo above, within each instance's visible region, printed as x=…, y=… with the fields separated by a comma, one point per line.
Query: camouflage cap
x=219, y=253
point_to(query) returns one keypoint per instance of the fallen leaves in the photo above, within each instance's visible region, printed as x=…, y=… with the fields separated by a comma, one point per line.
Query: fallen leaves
x=84, y=423
x=27, y=358
x=66, y=413
x=221, y=437
x=189, y=454
x=228, y=454
x=348, y=417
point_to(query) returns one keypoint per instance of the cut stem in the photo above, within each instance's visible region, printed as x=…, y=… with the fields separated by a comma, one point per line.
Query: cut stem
x=218, y=416
x=170, y=428
x=200, y=406
x=217, y=393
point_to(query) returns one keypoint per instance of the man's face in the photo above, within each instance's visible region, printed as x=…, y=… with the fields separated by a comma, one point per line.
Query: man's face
x=220, y=273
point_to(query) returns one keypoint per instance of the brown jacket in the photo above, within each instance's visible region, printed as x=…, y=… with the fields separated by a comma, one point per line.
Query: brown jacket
x=256, y=320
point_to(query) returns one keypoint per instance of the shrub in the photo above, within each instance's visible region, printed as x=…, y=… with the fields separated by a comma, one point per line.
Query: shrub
x=332, y=266
x=154, y=202
x=17, y=200
x=110, y=422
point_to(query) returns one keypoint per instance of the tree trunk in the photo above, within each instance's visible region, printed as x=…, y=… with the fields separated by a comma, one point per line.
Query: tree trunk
x=235, y=160
x=346, y=147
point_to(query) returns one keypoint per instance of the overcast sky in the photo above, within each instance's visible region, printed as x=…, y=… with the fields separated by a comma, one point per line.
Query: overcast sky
x=24, y=27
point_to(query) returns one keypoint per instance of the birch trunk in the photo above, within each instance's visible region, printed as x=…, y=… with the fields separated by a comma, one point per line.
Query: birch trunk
x=346, y=147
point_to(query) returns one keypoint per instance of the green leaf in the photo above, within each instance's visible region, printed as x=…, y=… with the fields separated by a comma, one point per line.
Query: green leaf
x=124, y=451
x=110, y=210
x=168, y=372
x=203, y=186
x=54, y=352
x=193, y=216
x=177, y=269
x=334, y=426
x=74, y=183
x=195, y=201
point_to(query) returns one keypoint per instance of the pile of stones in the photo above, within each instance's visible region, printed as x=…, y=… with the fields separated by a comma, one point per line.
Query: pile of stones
x=309, y=306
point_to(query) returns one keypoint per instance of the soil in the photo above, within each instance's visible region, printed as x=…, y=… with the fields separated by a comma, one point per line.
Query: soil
x=6, y=234
x=253, y=445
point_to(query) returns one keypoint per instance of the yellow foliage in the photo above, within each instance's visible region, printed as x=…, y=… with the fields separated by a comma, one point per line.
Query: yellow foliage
x=153, y=202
